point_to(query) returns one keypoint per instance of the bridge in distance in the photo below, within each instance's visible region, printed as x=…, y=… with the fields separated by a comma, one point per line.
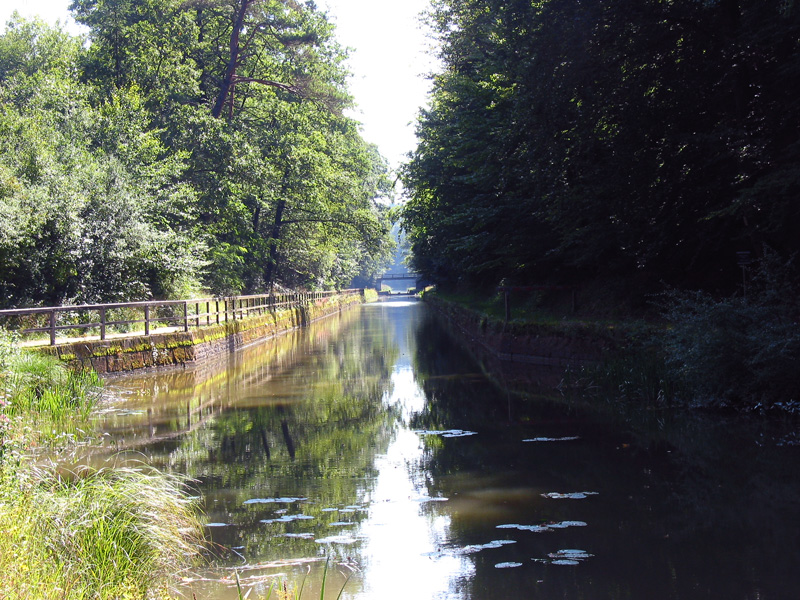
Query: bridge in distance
x=386, y=277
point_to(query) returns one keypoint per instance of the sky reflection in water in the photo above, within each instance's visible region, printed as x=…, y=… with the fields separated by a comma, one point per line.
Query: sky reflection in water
x=372, y=438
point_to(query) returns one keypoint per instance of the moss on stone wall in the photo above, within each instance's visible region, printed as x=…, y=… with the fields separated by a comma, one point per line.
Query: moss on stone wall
x=165, y=349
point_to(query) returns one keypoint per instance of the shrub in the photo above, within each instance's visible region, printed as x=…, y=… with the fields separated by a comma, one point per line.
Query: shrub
x=739, y=351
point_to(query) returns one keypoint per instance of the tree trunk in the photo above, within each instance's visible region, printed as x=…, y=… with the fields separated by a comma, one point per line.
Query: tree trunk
x=275, y=237
x=233, y=59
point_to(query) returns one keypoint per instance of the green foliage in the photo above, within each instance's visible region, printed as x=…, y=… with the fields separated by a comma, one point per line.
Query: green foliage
x=90, y=534
x=40, y=385
x=91, y=209
x=41, y=401
x=117, y=533
x=741, y=351
x=640, y=140
x=185, y=147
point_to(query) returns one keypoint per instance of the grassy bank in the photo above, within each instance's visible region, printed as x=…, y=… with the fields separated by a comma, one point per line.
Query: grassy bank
x=119, y=533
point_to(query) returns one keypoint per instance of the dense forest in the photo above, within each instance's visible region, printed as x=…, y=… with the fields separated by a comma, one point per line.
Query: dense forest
x=645, y=153
x=642, y=143
x=182, y=147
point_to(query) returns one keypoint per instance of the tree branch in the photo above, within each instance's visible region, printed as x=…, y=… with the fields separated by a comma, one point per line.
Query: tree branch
x=268, y=82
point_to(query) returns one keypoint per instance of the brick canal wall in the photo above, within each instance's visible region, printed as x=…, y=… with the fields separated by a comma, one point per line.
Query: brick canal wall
x=167, y=349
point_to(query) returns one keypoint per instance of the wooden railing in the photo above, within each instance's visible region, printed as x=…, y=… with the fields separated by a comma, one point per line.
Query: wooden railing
x=507, y=289
x=153, y=314
x=401, y=276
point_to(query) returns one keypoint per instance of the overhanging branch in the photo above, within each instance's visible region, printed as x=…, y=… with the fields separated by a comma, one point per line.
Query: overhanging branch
x=268, y=82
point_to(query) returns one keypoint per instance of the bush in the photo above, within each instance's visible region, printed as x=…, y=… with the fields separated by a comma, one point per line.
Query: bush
x=739, y=351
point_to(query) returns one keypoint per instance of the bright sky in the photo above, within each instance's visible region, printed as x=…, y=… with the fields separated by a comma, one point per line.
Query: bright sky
x=389, y=59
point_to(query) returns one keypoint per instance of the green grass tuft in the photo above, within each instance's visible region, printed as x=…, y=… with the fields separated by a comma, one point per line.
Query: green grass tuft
x=117, y=533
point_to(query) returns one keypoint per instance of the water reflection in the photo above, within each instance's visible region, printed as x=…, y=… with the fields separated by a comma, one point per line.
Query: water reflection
x=373, y=439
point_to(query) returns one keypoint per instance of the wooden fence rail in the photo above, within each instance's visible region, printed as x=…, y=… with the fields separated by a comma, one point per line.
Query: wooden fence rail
x=170, y=313
x=507, y=289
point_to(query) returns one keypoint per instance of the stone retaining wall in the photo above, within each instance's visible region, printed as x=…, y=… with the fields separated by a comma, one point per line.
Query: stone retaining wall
x=166, y=349
x=552, y=345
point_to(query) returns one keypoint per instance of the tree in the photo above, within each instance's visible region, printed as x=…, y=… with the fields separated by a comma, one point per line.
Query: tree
x=259, y=125
x=641, y=141
x=88, y=198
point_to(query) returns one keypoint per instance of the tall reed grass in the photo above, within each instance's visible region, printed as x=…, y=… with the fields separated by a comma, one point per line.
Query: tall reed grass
x=39, y=394
x=117, y=533
x=286, y=592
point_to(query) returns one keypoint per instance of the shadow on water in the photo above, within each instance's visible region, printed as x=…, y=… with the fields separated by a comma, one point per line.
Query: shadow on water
x=376, y=439
x=686, y=505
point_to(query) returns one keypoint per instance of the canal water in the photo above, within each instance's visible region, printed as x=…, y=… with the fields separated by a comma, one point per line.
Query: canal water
x=370, y=452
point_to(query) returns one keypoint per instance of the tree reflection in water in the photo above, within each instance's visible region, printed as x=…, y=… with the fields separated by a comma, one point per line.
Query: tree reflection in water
x=324, y=443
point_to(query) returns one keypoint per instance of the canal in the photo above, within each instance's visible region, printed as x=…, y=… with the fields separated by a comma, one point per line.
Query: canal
x=372, y=443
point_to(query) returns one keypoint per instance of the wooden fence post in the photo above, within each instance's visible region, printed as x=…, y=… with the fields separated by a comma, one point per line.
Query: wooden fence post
x=102, y=323
x=186, y=316
x=147, y=319
x=53, y=327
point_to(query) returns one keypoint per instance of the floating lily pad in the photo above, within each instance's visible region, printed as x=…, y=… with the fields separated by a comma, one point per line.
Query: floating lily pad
x=568, y=557
x=287, y=519
x=473, y=548
x=337, y=539
x=304, y=536
x=569, y=496
x=273, y=500
x=549, y=439
x=449, y=433
x=217, y=525
x=543, y=528
x=431, y=499
x=340, y=524
x=534, y=528
x=507, y=565
x=498, y=543
x=565, y=524
x=570, y=554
